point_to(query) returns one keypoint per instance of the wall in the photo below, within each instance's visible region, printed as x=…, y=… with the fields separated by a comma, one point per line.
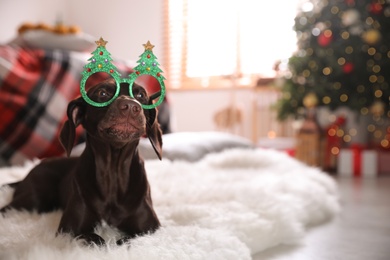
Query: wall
x=126, y=24
x=194, y=110
x=15, y=12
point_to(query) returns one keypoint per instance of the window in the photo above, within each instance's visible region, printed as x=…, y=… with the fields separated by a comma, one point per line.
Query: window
x=226, y=43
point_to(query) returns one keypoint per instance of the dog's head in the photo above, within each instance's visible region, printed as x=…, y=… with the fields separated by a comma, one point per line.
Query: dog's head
x=122, y=122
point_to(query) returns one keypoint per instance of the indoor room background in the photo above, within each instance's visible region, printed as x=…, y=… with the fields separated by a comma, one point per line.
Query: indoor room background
x=308, y=78
x=126, y=25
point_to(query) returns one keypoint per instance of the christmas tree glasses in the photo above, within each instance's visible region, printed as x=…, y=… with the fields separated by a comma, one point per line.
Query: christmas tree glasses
x=101, y=62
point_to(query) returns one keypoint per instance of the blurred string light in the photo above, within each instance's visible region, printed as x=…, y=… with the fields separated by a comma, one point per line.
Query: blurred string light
x=307, y=6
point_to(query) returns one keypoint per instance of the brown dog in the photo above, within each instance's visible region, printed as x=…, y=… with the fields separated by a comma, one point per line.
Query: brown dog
x=108, y=181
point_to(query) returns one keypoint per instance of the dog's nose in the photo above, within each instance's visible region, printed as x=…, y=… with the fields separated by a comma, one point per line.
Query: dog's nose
x=129, y=107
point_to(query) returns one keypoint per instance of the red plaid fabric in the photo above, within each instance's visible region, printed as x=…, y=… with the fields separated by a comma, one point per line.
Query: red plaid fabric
x=35, y=88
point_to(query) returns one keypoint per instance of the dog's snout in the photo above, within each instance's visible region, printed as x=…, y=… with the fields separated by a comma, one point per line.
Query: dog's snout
x=127, y=106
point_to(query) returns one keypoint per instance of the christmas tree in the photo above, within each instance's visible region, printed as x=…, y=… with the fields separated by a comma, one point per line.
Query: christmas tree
x=343, y=57
x=148, y=65
x=101, y=61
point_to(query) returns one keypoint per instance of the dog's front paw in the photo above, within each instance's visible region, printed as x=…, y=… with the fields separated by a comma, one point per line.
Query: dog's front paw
x=91, y=238
x=124, y=240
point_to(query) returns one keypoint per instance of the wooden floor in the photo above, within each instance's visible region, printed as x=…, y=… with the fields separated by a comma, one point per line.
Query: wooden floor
x=360, y=232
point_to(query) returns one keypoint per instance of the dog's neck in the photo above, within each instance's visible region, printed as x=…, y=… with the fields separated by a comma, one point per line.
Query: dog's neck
x=112, y=164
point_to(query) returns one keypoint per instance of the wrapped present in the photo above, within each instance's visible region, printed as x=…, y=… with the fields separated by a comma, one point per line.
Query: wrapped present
x=333, y=143
x=384, y=162
x=357, y=161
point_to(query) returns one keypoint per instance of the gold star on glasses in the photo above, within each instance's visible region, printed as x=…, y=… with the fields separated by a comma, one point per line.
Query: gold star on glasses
x=148, y=46
x=101, y=42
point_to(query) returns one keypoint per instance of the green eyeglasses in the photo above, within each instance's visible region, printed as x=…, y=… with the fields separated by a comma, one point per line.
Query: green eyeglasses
x=101, y=62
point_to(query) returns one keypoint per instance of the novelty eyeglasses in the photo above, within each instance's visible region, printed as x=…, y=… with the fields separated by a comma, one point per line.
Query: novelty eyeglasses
x=101, y=62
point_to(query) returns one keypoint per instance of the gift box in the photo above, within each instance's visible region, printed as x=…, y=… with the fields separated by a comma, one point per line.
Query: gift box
x=357, y=162
x=384, y=162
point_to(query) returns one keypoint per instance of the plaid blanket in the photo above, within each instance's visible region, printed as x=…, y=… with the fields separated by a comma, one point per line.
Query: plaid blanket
x=36, y=86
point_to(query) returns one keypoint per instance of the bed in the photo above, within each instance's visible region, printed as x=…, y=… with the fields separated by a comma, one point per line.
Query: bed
x=230, y=204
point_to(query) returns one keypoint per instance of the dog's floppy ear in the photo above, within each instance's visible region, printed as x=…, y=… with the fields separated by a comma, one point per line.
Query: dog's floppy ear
x=153, y=132
x=75, y=115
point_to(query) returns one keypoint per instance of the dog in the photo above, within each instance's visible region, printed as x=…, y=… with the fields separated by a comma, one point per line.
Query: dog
x=108, y=181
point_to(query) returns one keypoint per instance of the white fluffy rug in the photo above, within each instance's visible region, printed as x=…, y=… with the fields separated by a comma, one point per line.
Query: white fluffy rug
x=230, y=205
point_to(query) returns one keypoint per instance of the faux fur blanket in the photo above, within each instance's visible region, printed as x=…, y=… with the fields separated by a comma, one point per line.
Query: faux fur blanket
x=229, y=205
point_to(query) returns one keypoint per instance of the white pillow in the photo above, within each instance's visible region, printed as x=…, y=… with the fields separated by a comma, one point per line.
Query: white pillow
x=193, y=146
x=47, y=40
x=187, y=146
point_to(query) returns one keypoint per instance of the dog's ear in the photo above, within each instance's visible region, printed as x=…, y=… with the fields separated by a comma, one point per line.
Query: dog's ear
x=153, y=132
x=75, y=115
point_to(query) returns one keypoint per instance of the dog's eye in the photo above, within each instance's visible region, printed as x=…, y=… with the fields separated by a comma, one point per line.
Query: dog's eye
x=102, y=93
x=140, y=95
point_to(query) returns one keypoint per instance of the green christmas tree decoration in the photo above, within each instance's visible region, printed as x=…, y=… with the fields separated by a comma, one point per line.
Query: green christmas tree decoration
x=343, y=57
x=148, y=65
x=101, y=61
